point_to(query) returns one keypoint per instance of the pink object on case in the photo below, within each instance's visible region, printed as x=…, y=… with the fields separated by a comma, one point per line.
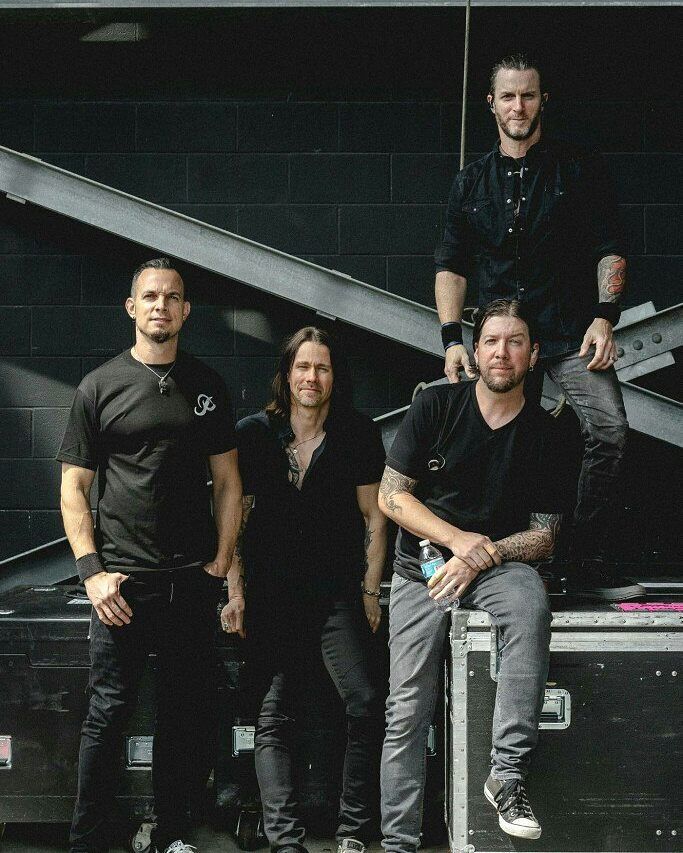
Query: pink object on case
x=670, y=607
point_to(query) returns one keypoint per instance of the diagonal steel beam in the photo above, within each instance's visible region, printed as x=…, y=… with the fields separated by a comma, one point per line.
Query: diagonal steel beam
x=330, y=292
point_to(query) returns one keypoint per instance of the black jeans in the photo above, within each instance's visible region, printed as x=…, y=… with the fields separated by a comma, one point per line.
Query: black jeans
x=286, y=663
x=596, y=398
x=174, y=615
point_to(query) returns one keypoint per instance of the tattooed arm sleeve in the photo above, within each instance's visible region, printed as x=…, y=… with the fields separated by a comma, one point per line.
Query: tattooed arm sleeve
x=392, y=486
x=611, y=278
x=236, y=572
x=536, y=543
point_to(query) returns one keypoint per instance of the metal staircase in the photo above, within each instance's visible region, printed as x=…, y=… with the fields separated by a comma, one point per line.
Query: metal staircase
x=645, y=338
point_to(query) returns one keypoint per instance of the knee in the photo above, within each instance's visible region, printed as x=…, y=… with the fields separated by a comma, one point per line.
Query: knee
x=609, y=436
x=364, y=701
x=527, y=602
x=107, y=717
x=272, y=727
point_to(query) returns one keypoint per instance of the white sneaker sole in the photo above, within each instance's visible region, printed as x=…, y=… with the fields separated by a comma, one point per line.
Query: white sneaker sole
x=530, y=832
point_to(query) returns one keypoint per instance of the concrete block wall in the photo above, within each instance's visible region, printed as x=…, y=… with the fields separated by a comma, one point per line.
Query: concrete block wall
x=329, y=135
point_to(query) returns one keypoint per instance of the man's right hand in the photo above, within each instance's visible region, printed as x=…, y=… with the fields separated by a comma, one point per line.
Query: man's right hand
x=457, y=359
x=476, y=550
x=232, y=616
x=103, y=591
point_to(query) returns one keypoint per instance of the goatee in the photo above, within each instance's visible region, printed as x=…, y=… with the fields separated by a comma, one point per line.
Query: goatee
x=160, y=337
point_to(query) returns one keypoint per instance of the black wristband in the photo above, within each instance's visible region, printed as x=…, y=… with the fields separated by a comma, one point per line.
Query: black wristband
x=451, y=333
x=88, y=566
x=607, y=311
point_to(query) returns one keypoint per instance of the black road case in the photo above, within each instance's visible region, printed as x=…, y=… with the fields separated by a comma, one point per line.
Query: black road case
x=44, y=668
x=607, y=770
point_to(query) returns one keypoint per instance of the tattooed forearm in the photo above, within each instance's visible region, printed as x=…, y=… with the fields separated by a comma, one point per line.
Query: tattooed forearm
x=394, y=484
x=236, y=572
x=537, y=543
x=366, y=544
x=611, y=278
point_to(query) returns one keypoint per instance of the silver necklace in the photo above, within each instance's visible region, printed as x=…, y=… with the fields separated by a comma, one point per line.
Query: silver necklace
x=305, y=441
x=163, y=384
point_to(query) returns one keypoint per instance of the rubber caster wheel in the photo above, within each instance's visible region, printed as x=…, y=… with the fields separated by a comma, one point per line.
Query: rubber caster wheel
x=141, y=841
x=248, y=832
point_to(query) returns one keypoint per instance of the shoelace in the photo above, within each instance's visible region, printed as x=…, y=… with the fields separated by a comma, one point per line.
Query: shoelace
x=512, y=798
x=180, y=847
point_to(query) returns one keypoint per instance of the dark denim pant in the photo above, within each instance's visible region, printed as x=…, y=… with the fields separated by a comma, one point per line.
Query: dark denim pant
x=515, y=597
x=286, y=666
x=596, y=398
x=174, y=616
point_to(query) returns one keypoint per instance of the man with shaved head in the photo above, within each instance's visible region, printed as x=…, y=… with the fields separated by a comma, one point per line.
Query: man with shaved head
x=155, y=423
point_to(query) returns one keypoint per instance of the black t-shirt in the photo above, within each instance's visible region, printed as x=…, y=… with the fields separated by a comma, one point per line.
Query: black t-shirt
x=491, y=480
x=308, y=542
x=151, y=453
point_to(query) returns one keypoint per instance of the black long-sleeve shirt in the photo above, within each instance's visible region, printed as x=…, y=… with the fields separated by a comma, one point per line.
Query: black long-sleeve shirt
x=535, y=229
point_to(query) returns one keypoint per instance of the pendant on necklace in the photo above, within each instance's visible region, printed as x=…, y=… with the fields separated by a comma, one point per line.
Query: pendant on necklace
x=163, y=386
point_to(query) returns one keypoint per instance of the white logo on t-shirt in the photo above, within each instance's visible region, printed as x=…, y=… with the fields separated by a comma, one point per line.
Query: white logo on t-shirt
x=206, y=403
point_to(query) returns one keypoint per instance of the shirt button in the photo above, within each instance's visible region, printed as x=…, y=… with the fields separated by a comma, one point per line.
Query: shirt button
x=510, y=230
x=509, y=173
x=509, y=201
x=521, y=290
x=523, y=198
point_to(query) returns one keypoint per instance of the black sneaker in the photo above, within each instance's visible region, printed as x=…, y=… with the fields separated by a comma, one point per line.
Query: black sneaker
x=510, y=800
x=598, y=580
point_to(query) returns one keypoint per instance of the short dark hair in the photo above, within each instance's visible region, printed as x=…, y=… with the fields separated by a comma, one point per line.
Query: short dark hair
x=154, y=264
x=280, y=404
x=513, y=62
x=503, y=308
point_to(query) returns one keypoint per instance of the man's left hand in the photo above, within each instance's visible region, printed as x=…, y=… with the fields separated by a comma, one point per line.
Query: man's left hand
x=600, y=335
x=373, y=611
x=217, y=568
x=451, y=580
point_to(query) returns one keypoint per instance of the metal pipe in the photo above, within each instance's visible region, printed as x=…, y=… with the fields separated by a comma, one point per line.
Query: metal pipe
x=465, y=63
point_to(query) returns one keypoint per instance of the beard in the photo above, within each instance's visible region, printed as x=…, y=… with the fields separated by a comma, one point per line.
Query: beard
x=160, y=337
x=501, y=384
x=520, y=135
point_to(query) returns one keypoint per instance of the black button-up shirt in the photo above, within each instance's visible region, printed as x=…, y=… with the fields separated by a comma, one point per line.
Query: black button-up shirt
x=307, y=542
x=534, y=229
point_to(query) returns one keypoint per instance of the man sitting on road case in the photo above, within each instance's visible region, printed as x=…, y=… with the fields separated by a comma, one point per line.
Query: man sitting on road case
x=471, y=469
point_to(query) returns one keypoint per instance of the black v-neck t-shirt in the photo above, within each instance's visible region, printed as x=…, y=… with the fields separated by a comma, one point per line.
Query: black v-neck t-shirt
x=307, y=543
x=151, y=453
x=491, y=480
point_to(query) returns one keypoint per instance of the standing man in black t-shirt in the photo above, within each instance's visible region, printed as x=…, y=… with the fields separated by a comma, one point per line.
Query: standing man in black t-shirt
x=471, y=470
x=154, y=423
x=313, y=547
x=536, y=220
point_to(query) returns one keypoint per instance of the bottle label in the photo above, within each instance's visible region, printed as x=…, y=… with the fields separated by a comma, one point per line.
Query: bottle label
x=433, y=566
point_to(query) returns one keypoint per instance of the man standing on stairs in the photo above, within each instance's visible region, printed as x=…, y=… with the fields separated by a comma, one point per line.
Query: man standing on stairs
x=535, y=220
x=313, y=546
x=155, y=423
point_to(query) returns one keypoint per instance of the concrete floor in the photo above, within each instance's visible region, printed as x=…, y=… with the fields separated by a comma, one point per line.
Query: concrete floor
x=49, y=838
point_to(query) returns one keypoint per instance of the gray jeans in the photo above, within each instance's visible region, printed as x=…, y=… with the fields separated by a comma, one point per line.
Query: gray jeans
x=596, y=398
x=515, y=597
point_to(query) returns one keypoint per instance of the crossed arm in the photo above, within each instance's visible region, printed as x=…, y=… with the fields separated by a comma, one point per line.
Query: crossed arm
x=472, y=552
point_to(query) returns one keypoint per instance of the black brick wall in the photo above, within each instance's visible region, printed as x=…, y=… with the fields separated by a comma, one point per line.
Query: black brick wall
x=332, y=135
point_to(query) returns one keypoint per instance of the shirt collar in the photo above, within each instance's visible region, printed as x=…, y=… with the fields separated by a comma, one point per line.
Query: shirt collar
x=533, y=155
x=285, y=433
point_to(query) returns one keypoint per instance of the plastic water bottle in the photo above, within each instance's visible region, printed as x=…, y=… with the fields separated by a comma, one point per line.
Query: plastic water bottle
x=431, y=560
